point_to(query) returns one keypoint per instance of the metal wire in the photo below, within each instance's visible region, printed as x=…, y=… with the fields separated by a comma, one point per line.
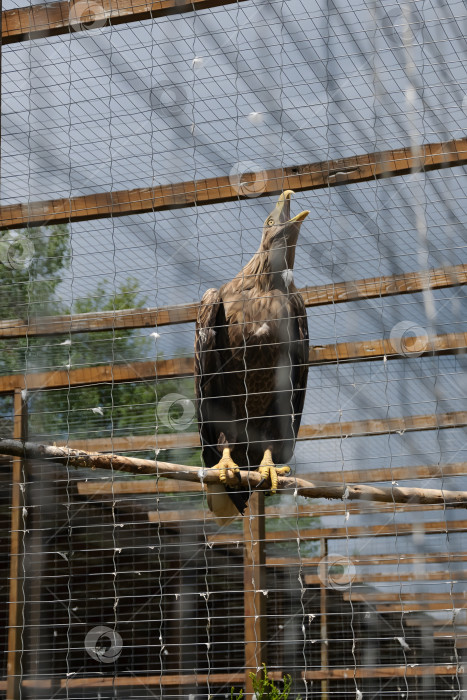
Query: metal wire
x=130, y=587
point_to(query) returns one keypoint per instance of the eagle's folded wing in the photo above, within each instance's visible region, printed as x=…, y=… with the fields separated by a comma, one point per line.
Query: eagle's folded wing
x=300, y=367
x=208, y=376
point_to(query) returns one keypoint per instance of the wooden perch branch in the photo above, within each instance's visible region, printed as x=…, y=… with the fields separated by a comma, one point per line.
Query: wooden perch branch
x=250, y=480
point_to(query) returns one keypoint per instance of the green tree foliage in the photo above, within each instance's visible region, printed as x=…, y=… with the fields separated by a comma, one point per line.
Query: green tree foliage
x=32, y=265
x=28, y=285
x=109, y=410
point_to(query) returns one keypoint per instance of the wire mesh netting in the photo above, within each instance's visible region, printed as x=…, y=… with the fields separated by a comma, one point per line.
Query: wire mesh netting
x=140, y=161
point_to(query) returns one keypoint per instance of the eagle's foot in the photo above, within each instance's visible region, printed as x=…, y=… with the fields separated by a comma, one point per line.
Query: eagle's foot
x=268, y=470
x=224, y=465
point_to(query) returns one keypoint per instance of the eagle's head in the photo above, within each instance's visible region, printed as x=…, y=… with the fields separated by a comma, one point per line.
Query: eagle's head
x=280, y=234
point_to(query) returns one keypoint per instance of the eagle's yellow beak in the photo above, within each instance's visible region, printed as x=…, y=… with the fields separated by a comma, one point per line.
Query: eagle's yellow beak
x=302, y=216
x=283, y=206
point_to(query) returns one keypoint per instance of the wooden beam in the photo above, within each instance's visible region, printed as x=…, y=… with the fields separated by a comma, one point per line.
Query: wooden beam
x=177, y=517
x=54, y=18
x=254, y=583
x=96, y=321
x=456, y=598
x=445, y=576
x=183, y=516
x=184, y=366
x=248, y=479
x=400, y=671
x=387, y=348
x=320, y=295
x=424, y=606
x=405, y=424
x=151, y=681
x=16, y=598
x=215, y=190
x=230, y=678
x=136, y=443
x=398, y=529
x=386, y=286
x=98, y=488
x=131, y=372
x=382, y=559
x=430, y=471
x=319, y=431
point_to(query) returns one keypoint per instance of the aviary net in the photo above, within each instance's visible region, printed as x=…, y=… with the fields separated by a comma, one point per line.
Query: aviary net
x=305, y=162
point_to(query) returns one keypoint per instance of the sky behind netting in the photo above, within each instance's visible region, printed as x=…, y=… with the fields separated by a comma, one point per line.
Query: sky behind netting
x=251, y=87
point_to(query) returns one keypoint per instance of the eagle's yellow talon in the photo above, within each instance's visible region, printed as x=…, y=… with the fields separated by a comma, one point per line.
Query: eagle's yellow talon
x=268, y=469
x=226, y=463
x=273, y=479
x=283, y=470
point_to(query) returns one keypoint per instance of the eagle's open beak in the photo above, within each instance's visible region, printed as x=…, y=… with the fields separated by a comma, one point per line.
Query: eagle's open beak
x=283, y=205
x=301, y=217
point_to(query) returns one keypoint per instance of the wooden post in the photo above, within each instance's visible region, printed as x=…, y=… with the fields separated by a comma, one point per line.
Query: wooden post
x=16, y=602
x=254, y=583
x=324, y=626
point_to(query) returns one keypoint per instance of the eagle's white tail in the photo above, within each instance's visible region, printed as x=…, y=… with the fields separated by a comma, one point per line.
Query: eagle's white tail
x=220, y=504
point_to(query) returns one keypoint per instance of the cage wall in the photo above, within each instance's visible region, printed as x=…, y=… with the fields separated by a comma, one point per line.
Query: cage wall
x=143, y=149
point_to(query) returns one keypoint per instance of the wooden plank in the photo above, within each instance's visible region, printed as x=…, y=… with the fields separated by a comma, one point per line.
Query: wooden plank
x=37, y=683
x=55, y=18
x=16, y=598
x=382, y=559
x=401, y=671
x=215, y=190
x=151, y=681
x=320, y=431
x=397, y=577
x=457, y=598
x=135, y=443
x=387, y=348
x=399, y=529
x=102, y=321
x=424, y=606
x=231, y=678
x=183, y=516
x=340, y=292
x=405, y=424
x=431, y=471
x=386, y=286
x=254, y=583
x=98, y=488
x=83, y=376
x=177, y=517
x=184, y=366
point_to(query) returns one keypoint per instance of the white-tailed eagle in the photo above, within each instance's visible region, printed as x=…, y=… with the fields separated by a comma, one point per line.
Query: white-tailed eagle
x=251, y=364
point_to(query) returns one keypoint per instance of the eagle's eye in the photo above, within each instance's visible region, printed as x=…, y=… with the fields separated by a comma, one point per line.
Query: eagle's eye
x=270, y=222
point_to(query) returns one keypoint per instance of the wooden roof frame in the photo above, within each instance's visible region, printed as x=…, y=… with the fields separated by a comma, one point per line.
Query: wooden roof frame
x=317, y=295
x=216, y=190
x=56, y=18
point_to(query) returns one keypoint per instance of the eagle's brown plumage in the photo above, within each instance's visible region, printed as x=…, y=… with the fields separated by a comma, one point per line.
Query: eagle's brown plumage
x=251, y=360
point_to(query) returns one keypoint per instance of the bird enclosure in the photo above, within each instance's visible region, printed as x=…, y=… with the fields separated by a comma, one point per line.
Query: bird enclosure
x=150, y=152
